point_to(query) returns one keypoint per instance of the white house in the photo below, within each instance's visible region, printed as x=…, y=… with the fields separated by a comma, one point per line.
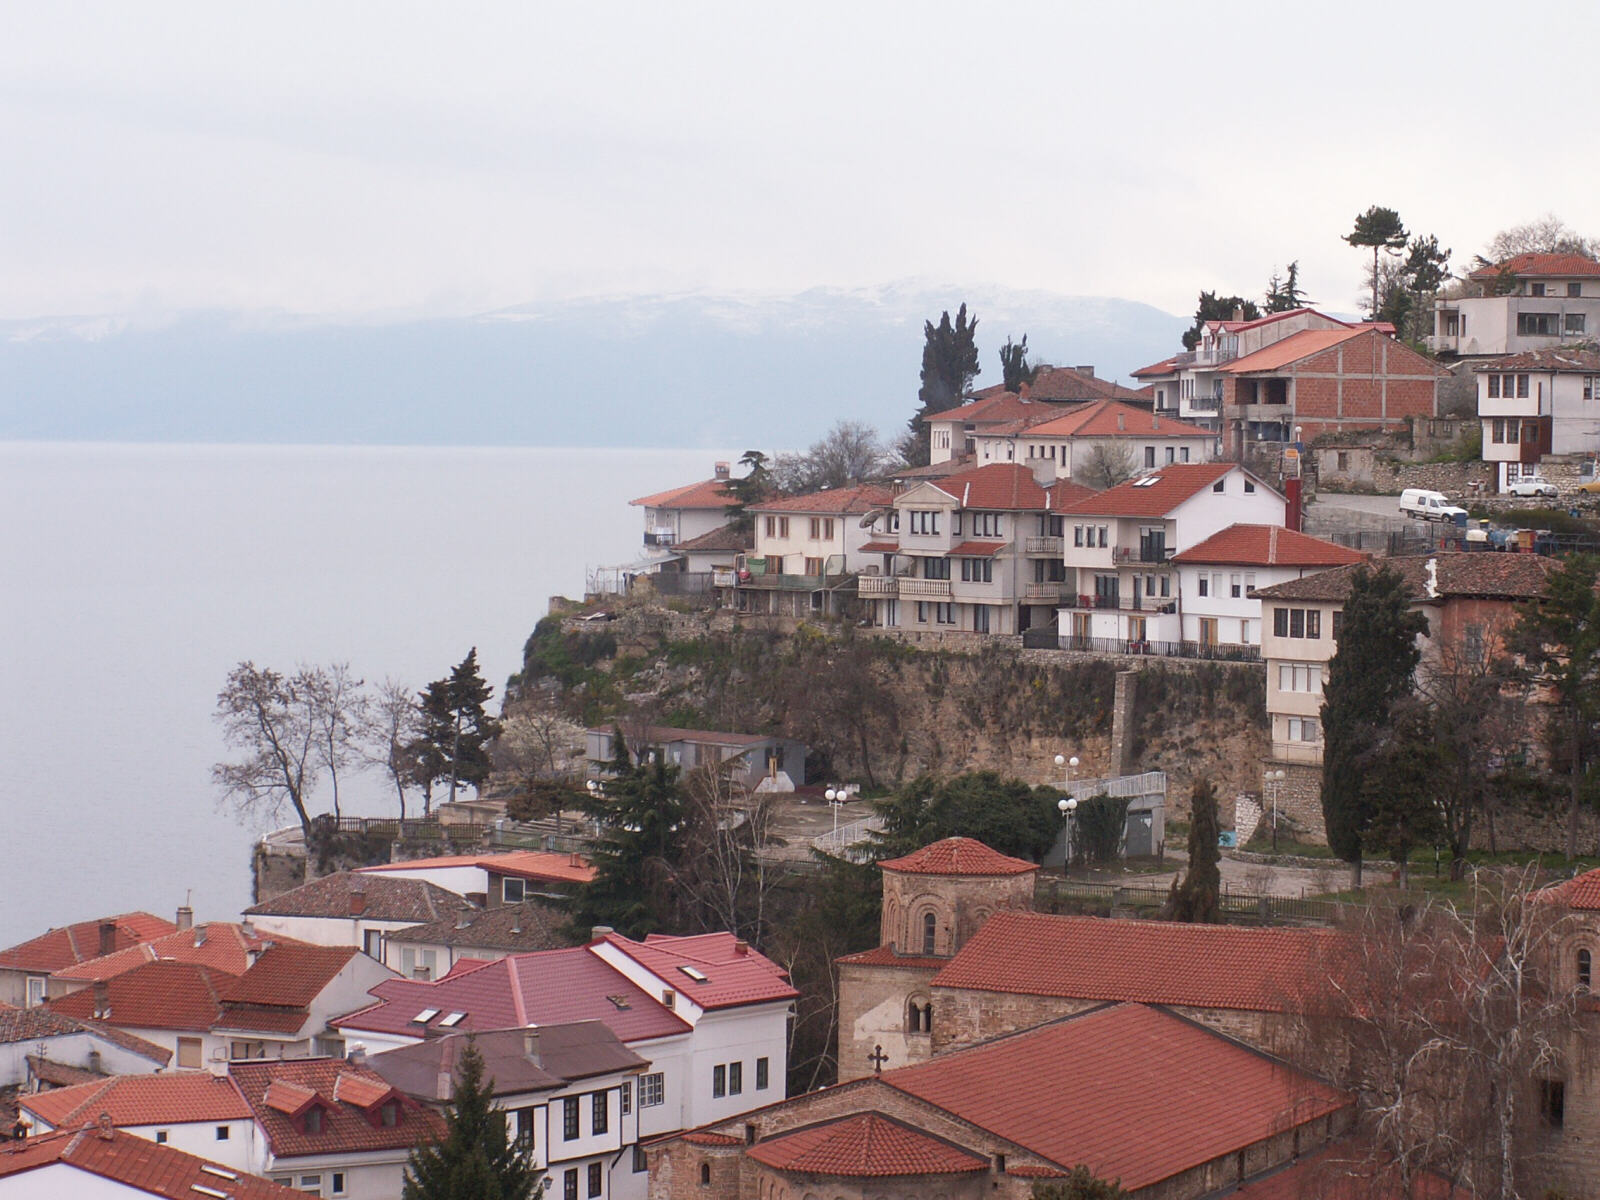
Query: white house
x=281, y=1006
x=39, y=1045
x=952, y=434
x=432, y=950
x=1066, y=443
x=1217, y=578
x=25, y=968
x=101, y=1162
x=1537, y=403
x=1529, y=302
x=805, y=548
x=681, y=513
x=1118, y=547
x=493, y=879
x=352, y=908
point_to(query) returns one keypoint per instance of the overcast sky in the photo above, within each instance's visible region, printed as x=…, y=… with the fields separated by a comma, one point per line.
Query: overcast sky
x=390, y=158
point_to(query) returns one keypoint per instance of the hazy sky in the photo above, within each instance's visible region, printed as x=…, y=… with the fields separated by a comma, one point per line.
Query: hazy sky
x=343, y=158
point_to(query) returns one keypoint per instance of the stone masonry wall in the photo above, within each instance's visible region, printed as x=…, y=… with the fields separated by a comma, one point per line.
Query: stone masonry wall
x=872, y=1013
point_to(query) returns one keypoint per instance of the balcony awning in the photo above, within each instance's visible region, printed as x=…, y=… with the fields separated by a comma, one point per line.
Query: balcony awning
x=977, y=549
x=881, y=548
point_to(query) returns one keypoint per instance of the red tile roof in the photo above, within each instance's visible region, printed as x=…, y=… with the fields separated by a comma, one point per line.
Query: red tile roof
x=1447, y=574
x=729, y=972
x=345, y=1127
x=1270, y=969
x=71, y=944
x=728, y=538
x=1157, y=493
x=360, y=1090
x=880, y=548
x=866, y=1145
x=409, y=901
x=220, y=944
x=140, y=1164
x=888, y=956
x=1109, y=418
x=288, y=1098
x=543, y=988
x=708, y=493
x=158, y=995
x=1559, y=265
x=1267, y=546
x=290, y=975
x=1009, y=487
x=142, y=1100
x=996, y=406
x=1560, y=358
x=860, y=498
x=1090, y=1088
x=1166, y=366
x=1059, y=385
x=38, y=1023
x=704, y=1137
x=522, y=864
x=1581, y=891
x=978, y=549
x=958, y=856
x=1290, y=350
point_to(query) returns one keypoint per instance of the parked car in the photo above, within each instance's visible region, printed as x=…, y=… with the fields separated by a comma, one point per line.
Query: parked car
x=1531, y=485
x=1591, y=487
x=1430, y=506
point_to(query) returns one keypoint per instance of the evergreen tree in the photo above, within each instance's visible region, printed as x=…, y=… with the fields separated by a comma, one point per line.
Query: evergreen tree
x=1401, y=781
x=752, y=488
x=1014, y=364
x=456, y=728
x=1213, y=307
x=949, y=365
x=1081, y=1184
x=1381, y=229
x=1005, y=814
x=1198, y=898
x=1370, y=672
x=1284, y=294
x=641, y=810
x=476, y=1159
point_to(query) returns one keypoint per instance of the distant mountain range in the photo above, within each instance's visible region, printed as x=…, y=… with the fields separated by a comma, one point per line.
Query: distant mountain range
x=692, y=370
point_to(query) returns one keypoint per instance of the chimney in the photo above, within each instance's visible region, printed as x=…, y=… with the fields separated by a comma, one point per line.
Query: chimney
x=200, y=935
x=1087, y=371
x=463, y=918
x=357, y=1056
x=102, y=1000
x=358, y=899
x=741, y=947
x=530, y=1044
x=108, y=936
x=575, y=860
x=185, y=917
x=107, y=1131
x=600, y=931
x=94, y=1061
x=723, y=471
x=1238, y=313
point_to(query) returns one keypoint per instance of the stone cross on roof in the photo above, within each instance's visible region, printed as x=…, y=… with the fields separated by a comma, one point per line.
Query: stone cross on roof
x=877, y=1058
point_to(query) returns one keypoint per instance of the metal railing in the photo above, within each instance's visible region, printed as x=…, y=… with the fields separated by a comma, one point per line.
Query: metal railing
x=659, y=537
x=1147, y=783
x=1143, y=554
x=1260, y=906
x=1204, y=358
x=852, y=841
x=1196, y=650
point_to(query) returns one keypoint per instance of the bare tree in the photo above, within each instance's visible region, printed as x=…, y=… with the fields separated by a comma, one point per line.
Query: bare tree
x=1548, y=235
x=1106, y=465
x=847, y=454
x=730, y=832
x=271, y=718
x=392, y=725
x=337, y=709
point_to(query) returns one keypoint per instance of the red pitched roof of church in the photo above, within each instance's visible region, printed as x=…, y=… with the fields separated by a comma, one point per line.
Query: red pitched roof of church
x=1581, y=891
x=865, y=1145
x=958, y=856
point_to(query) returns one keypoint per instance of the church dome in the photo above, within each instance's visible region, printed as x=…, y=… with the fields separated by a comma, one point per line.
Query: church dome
x=958, y=856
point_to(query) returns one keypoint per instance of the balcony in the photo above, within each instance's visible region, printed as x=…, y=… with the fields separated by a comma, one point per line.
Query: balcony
x=722, y=577
x=1206, y=404
x=659, y=537
x=1154, y=555
x=1214, y=357
x=1042, y=545
x=925, y=589
x=877, y=585
x=1046, y=593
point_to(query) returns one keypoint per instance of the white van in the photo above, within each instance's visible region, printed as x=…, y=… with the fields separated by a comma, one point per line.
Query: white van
x=1429, y=506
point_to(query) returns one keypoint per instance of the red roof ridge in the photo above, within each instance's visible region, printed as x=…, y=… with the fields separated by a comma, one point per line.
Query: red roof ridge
x=957, y=856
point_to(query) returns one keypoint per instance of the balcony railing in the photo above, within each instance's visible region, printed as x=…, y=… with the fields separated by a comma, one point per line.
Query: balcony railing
x=1042, y=545
x=1142, y=554
x=1206, y=404
x=928, y=589
x=1214, y=357
x=1138, y=604
x=1045, y=593
x=722, y=577
x=659, y=537
x=1220, y=653
x=877, y=585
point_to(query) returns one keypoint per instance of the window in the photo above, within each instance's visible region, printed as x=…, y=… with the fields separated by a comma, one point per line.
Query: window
x=513, y=891
x=1536, y=289
x=1572, y=323
x=1299, y=678
x=600, y=1113
x=1103, y=537
x=735, y=1078
x=813, y=566
x=35, y=990
x=626, y=1097
x=936, y=568
x=652, y=1090
x=161, y=1137
x=1235, y=586
x=980, y=618
x=1553, y=1102
x=821, y=529
x=311, y=1183
x=596, y=1179
x=1536, y=324
x=1249, y=488
x=223, y=1133
x=1472, y=644
x=569, y=1184
x=930, y=927
x=1574, y=289
x=1077, y=535
x=1494, y=387
x=719, y=1081
x=524, y=1125
x=1304, y=729
x=569, y=1119
x=1585, y=969
x=189, y=1053
x=977, y=570
x=985, y=524
x=705, y=1172
x=641, y=1162
x=339, y=1188
x=1183, y=454
x=1149, y=456
x=313, y=1119
x=1204, y=585
x=924, y=521
x=1220, y=485
x=1297, y=622
x=944, y=612
x=762, y=1069
x=1591, y=387
x=1172, y=454
x=1338, y=622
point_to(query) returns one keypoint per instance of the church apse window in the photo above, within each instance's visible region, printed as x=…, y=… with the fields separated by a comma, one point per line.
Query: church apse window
x=930, y=931
x=919, y=1015
x=1585, y=969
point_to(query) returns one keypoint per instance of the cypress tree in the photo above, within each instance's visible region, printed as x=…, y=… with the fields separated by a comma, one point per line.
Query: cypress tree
x=1198, y=898
x=949, y=365
x=476, y=1159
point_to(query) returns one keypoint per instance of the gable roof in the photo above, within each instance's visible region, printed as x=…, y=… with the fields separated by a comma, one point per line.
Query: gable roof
x=225, y=945
x=63, y=947
x=291, y=974
x=1167, y=366
x=996, y=405
x=1008, y=486
x=708, y=493
x=531, y=925
x=1157, y=493
x=1110, y=418
x=865, y=1145
x=1270, y=969
x=857, y=498
x=1089, y=1089
x=345, y=1127
x=142, y=1100
x=1440, y=576
x=386, y=899
x=715, y=970
x=1063, y=385
x=539, y=865
x=1580, y=892
x=727, y=537
x=957, y=856
x=1291, y=350
x=139, y=1163
x=543, y=988
x=1577, y=359
x=1267, y=546
x=1557, y=265
x=37, y=1023
x=515, y=1060
x=157, y=995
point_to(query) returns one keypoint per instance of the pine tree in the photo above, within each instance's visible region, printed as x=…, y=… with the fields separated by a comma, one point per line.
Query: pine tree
x=1381, y=229
x=456, y=728
x=1370, y=672
x=949, y=365
x=754, y=486
x=1014, y=365
x=476, y=1159
x=1198, y=898
x=1213, y=307
x=1284, y=294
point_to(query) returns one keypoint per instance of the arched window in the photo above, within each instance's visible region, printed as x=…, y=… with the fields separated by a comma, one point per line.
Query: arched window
x=919, y=1015
x=705, y=1172
x=930, y=927
x=1585, y=968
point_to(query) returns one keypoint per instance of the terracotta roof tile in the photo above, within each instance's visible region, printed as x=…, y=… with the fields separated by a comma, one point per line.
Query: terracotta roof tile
x=1151, y=962
x=158, y=995
x=714, y=970
x=1159, y=492
x=1439, y=576
x=1581, y=891
x=288, y=975
x=140, y=1164
x=880, y=548
x=386, y=899
x=346, y=1127
x=1088, y=1089
x=1061, y=385
x=1267, y=546
x=184, y=1097
x=1009, y=487
x=1290, y=350
x=860, y=498
x=361, y=1090
x=288, y=1098
x=1561, y=358
x=729, y=538
x=887, y=956
x=71, y=944
x=1571, y=265
x=1166, y=366
x=958, y=856
x=558, y=1055
x=708, y=493
x=866, y=1145
x=531, y=925
x=704, y=1137
x=1110, y=419
x=221, y=944
x=520, y=864
x=977, y=549
x=997, y=405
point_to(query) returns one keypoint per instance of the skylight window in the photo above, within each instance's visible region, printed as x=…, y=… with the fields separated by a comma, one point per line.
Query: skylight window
x=220, y=1172
x=694, y=974
x=426, y=1015
x=452, y=1020
x=205, y=1191
x=620, y=1003
x=1147, y=481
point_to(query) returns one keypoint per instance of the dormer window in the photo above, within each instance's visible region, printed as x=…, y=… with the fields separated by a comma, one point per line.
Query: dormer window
x=389, y=1114
x=313, y=1119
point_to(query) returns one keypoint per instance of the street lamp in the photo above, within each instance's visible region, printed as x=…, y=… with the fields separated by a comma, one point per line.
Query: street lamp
x=1069, y=807
x=835, y=796
x=1274, y=785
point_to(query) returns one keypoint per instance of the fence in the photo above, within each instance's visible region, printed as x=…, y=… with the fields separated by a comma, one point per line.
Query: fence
x=419, y=829
x=1049, y=639
x=1150, y=783
x=1058, y=895
x=682, y=583
x=852, y=841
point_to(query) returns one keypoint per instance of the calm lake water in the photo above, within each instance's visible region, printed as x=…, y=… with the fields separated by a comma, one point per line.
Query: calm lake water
x=132, y=578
